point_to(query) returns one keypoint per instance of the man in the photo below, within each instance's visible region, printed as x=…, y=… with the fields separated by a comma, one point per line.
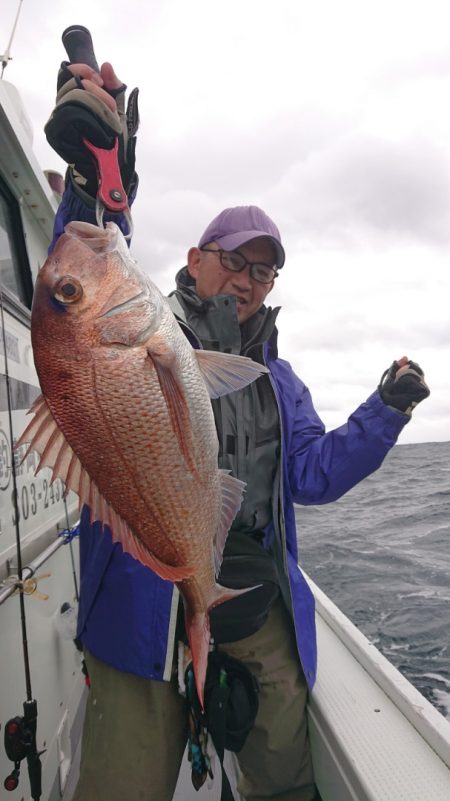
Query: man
x=270, y=437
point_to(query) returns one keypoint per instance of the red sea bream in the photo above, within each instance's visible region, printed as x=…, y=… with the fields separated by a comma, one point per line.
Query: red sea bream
x=125, y=418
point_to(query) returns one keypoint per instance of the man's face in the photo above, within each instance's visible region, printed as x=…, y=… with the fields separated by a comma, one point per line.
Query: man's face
x=213, y=279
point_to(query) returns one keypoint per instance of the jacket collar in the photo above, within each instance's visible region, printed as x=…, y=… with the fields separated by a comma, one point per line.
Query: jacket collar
x=257, y=331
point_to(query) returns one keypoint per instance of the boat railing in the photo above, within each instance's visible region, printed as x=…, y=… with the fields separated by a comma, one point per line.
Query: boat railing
x=11, y=584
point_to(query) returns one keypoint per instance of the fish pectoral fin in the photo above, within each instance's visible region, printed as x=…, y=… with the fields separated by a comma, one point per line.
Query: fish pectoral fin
x=226, y=372
x=177, y=407
x=232, y=494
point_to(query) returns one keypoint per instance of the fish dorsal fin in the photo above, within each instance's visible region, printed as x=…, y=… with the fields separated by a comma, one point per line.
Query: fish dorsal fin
x=226, y=372
x=45, y=437
x=232, y=494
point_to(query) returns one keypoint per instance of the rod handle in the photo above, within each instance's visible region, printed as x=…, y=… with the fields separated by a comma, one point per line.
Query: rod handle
x=77, y=41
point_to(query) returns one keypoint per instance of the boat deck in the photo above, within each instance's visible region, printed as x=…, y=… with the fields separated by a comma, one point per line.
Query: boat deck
x=374, y=737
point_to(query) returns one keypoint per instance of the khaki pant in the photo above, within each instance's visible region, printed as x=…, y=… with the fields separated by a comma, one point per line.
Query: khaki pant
x=135, y=729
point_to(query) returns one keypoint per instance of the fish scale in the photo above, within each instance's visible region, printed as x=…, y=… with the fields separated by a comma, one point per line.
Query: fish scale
x=153, y=457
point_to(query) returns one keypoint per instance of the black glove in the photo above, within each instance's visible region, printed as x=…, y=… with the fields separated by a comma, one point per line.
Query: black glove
x=403, y=387
x=79, y=113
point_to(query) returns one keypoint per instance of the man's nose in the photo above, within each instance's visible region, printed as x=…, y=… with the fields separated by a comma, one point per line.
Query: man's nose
x=242, y=279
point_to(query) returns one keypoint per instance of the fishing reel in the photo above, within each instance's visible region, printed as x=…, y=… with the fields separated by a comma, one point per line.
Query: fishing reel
x=20, y=744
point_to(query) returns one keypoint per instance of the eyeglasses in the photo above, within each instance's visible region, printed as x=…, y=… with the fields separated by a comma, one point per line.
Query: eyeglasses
x=235, y=262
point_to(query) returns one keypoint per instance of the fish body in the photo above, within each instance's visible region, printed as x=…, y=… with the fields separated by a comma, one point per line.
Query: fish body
x=125, y=417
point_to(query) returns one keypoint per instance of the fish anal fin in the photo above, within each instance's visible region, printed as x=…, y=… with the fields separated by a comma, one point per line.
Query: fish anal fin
x=232, y=494
x=131, y=544
x=103, y=512
x=173, y=573
x=226, y=372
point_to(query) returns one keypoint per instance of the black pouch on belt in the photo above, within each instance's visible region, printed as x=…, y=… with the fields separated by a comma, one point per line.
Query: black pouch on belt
x=231, y=706
x=246, y=563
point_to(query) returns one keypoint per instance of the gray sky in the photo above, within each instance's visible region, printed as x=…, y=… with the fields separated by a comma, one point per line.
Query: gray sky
x=332, y=116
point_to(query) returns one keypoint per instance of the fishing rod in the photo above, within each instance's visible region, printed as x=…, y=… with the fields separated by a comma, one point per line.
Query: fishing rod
x=111, y=195
x=20, y=731
x=6, y=58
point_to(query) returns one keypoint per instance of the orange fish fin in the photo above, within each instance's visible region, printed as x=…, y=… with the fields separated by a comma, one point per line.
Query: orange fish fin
x=232, y=494
x=222, y=594
x=37, y=428
x=198, y=633
x=63, y=461
x=122, y=533
x=199, y=636
x=74, y=471
x=177, y=408
x=168, y=572
x=51, y=451
x=46, y=438
x=102, y=511
x=226, y=372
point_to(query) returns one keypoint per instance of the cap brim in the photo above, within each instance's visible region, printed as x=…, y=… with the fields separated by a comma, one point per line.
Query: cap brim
x=233, y=241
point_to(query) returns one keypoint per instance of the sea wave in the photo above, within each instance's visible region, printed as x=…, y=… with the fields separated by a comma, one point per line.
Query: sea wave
x=382, y=555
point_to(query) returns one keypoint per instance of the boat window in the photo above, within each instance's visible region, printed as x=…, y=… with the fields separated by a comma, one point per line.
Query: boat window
x=14, y=267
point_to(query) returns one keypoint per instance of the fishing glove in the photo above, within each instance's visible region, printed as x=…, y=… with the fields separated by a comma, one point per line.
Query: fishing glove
x=79, y=113
x=403, y=387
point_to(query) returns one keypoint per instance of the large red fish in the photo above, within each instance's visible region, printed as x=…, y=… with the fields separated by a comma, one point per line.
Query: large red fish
x=125, y=418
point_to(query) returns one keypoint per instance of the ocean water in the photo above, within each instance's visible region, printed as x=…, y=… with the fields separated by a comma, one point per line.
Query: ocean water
x=382, y=554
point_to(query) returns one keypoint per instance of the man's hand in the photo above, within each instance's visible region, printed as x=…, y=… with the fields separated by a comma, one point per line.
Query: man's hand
x=403, y=385
x=91, y=105
x=99, y=84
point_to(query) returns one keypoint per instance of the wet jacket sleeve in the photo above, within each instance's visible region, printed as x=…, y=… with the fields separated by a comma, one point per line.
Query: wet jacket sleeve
x=322, y=466
x=72, y=207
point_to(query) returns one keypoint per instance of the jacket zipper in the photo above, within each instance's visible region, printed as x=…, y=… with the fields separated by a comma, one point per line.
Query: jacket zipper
x=278, y=517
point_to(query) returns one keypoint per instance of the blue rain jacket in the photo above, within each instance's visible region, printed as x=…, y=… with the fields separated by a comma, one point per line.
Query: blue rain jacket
x=127, y=614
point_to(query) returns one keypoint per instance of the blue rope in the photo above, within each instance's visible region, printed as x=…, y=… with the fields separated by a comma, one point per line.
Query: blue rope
x=68, y=534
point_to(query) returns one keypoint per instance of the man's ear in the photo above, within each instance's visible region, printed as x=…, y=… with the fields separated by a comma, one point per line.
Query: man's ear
x=193, y=262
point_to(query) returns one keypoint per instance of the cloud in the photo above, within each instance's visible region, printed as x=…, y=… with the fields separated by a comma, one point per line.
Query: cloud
x=428, y=65
x=363, y=190
x=330, y=116
x=171, y=223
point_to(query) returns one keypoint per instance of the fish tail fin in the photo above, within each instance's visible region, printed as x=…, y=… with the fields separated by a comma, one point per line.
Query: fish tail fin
x=223, y=594
x=198, y=633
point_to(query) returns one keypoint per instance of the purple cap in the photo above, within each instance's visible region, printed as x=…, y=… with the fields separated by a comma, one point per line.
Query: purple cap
x=236, y=226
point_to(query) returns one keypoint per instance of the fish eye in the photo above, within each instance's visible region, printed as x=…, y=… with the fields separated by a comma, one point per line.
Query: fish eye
x=68, y=290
